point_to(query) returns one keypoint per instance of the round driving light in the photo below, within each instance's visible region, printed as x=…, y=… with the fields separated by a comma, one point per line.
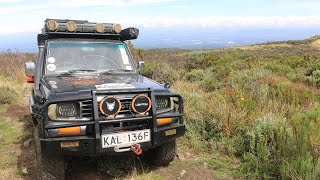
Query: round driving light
x=110, y=106
x=116, y=28
x=71, y=26
x=99, y=27
x=141, y=104
x=52, y=25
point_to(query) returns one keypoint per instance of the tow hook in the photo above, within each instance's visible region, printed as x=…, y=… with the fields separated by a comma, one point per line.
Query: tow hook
x=136, y=148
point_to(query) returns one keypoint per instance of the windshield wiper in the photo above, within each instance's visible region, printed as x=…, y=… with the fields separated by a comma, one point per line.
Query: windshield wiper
x=71, y=72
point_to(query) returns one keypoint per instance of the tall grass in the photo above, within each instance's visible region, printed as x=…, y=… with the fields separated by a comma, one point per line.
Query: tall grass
x=258, y=104
x=12, y=64
x=12, y=76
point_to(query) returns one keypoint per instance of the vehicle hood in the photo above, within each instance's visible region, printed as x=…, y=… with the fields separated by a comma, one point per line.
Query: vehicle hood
x=101, y=82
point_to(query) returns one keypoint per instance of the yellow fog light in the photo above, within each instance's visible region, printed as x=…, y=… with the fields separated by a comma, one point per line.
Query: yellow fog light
x=70, y=130
x=163, y=121
x=71, y=26
x=52, y=25
x=52, y=111
x=69, y=144
x=170, y=132
x=116, y=28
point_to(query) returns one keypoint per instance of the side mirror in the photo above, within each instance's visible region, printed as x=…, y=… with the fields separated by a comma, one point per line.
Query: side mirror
x=30, y=70
x=167, y=85
x=140, y=65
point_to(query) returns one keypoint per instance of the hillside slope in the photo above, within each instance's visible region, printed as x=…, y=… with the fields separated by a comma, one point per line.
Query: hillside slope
x=258, y=104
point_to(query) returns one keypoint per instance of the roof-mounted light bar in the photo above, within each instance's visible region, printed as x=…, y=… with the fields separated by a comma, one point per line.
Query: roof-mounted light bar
x=71, y=26
x=99, y=27
x=52, y=25
x=116, y=28
x=59, y=25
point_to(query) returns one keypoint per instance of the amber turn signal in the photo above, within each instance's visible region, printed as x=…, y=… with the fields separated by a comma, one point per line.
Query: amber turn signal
x=69, y=130
x=163, y=121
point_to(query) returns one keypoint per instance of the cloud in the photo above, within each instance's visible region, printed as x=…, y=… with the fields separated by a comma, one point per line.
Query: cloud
x=197, y=42
x=94, y=3
x=21, y=8
x=231, y=42
x=16, y=8
x=8, y=31
x=304, y=5
x=211, y=22
x=179, y=6
x=224, y=21
x=10, y=1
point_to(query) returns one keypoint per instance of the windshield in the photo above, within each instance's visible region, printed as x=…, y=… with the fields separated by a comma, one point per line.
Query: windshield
x=72, y=56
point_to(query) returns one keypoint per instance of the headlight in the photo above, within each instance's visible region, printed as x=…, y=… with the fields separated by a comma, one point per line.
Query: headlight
x=63, y=111
x=162, y=103
x=66, y=110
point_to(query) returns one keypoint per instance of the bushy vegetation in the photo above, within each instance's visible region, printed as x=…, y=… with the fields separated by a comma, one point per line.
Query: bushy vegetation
x=258, y=104
x=12, y=76
x=7, y=95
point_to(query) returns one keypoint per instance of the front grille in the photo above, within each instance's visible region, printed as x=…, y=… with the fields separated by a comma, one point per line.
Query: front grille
x=126, y=106
x=86, y=109
x=126, y=110
x=123, y=126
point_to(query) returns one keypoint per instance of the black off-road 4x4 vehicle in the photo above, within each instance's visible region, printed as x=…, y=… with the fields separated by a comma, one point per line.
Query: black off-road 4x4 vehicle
x=88, y=98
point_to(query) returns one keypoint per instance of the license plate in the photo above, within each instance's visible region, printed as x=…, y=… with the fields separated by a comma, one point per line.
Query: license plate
x=125, y=138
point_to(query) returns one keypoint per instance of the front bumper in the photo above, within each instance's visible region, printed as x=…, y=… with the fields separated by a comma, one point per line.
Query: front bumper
x=91, y=145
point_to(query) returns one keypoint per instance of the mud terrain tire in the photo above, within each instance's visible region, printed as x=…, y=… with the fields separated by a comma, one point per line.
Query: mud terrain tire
x=163, y=154
x=50, y=166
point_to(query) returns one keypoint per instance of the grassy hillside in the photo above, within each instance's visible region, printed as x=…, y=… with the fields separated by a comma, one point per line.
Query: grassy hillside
x=256, y=104
x=251, y=112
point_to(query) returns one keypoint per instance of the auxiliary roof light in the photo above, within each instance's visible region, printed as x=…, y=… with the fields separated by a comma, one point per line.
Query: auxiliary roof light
x=71, y=26
x=116, y=28
x=99, y=28
x=52, y=25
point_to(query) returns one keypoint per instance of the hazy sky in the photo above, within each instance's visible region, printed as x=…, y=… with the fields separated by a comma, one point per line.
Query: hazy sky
x=25, y=16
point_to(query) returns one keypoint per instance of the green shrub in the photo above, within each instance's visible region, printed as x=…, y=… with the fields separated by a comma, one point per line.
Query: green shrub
x=289, y=150
x=161, y=71
x=195, y=75
x=262, y=147
x=314, y=78
x=200, y=59
x=7, y=95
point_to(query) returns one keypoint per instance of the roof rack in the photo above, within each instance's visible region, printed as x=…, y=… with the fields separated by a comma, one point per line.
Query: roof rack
x=66, y=28
x=79, y=26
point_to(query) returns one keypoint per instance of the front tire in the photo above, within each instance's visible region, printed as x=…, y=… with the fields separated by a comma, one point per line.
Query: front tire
x=163, y=154
x=50, y=166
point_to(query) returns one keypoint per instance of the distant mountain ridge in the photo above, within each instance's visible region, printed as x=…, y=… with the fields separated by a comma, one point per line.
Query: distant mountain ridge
x=304, y=41
x=185, y=38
